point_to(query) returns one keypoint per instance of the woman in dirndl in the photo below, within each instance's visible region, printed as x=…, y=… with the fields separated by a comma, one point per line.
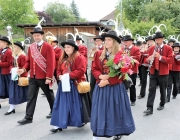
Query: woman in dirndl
x=111, y=113
x=17, y=94
x=70, y=109
x=5, y=64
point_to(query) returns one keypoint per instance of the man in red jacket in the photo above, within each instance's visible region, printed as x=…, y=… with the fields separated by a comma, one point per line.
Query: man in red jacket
x=134, y=52
x=58, y=53
x=41, y=64
x=161, y=56
x=174, y=73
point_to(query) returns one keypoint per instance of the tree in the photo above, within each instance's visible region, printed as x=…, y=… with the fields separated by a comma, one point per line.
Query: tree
x=133, y=7
x=46, y=16
x=60, y=13
x=75, y=10
x=13, y=12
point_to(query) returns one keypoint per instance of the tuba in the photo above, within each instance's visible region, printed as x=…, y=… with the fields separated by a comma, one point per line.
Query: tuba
x=50, y=37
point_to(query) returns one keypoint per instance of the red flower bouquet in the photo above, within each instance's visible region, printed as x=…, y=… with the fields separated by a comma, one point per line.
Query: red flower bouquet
x=120, y=65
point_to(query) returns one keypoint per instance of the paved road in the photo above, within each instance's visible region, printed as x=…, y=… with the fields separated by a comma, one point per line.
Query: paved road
x=162, y=125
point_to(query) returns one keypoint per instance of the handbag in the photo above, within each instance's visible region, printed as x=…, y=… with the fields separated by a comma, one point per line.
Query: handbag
x=83, y=87
x=23, y=81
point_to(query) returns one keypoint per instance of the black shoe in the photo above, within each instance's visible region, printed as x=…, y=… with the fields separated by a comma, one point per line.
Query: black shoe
x=148, y=112
x=43, y=94
x=117, y=138
x=167, y=100
x=24, y=121
x=140, y=97
x=160, y=108
x=0, y=105
x=8, y=113
x=49, y=115
x=83, y=125
x=55, y=130
x=132, y=103
x=174, y=97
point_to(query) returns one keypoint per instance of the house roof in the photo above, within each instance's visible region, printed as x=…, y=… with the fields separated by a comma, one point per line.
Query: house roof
x=109, y=16
x=96, y=24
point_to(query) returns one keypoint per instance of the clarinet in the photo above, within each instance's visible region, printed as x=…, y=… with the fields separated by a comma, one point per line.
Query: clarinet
x=151, y=62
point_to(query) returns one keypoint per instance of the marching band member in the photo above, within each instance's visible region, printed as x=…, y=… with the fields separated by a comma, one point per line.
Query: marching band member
x=161, y=55
x=17, y=94
x=69, y=109
x=82, y=50
x=144, y=66
x=41, y=64
x=171, y=42
x=58, y=53
x=5, y=64
x=111, y=112
x=134, y=52
x=174, y=73
x=99, y=46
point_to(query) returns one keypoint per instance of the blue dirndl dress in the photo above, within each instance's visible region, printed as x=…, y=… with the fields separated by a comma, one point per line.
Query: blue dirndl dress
x=67, y=108
x=4, y=85
x=111, y=112
x=17, y=94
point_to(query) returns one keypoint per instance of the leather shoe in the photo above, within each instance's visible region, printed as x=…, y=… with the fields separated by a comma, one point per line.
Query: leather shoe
x=167, y=101
x=117, y=138
x=174, y=97
x=8, y=113
x=140, y=97
x=160, y=108
x=24, y=121
x=132, y=103
x=148, y=112
x=49, y=115
x=55, y=130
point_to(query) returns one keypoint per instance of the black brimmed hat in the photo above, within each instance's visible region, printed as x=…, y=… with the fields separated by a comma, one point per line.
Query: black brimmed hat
x=112, y=34
x=5, y=39
x=176, y=44
x=127, y=38
x=70, y=42
x=158, y=35
x=37, y=30
x=98, y=37
x=19, y=44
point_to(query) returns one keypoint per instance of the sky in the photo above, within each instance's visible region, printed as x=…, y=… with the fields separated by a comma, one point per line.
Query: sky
x=92, y=10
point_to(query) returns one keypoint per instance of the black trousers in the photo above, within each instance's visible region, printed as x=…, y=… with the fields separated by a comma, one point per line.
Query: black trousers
x=156, y=79
x=144, y=74
x=140, y=74
x=34, y=85
x=92, y=84
x=173, y=78
x=133, y=88
x=55, y=75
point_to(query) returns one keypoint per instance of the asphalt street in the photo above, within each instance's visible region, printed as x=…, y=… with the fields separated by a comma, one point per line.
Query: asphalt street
x=161, y=125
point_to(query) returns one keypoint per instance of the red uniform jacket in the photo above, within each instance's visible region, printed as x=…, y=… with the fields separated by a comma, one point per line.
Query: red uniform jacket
x=164, y=62
x=58, y=53
x=21, y=62
x=135, y=54
x=144, y=56
x=6, y=61
x=97, y=70
x=48, y=53
x=76, y=70
x=175, y=66
x=83, y=51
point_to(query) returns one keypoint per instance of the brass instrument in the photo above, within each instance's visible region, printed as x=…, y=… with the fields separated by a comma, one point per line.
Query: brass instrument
x=50, y=37
x=92, y=52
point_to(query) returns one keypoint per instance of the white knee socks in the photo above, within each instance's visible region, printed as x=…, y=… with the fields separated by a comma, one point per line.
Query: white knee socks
x=11, y=108
x=95, y=138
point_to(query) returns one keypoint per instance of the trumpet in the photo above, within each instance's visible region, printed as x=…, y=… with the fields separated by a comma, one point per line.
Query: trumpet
x=152, y=60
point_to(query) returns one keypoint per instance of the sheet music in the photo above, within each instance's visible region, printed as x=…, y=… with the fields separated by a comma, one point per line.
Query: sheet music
x=65, y=79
